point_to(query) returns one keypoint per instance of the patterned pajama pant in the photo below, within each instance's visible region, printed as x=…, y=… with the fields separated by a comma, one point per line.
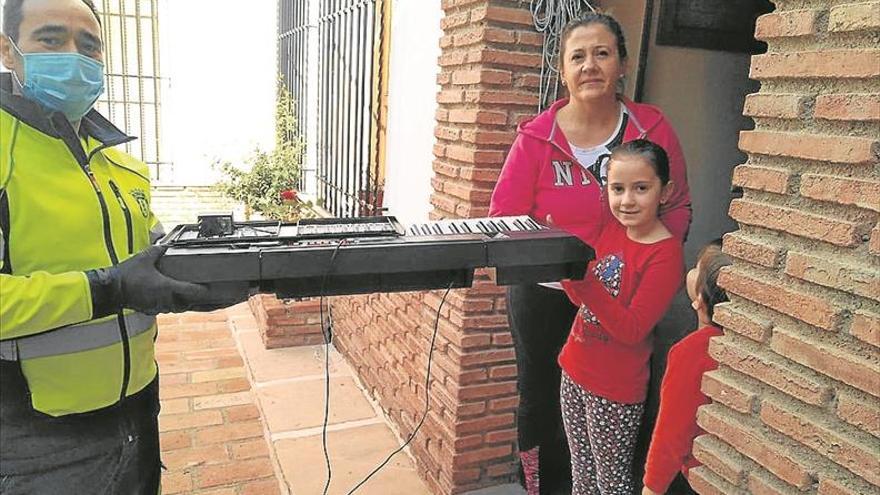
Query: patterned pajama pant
x=602, y=438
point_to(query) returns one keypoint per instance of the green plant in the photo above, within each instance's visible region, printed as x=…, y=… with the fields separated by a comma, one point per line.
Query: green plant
x=267, y=185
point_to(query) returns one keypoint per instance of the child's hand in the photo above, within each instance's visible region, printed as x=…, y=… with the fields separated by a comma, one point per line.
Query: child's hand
x=548, y=220
x=648, y=491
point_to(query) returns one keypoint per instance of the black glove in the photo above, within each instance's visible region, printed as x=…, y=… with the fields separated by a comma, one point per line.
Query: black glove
x=137, y=284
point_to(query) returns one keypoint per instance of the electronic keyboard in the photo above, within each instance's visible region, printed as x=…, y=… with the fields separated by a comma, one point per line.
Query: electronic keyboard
x=341, y=256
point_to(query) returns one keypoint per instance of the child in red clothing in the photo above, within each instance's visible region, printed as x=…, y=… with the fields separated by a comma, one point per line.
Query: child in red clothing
x=628, y=288
x=680, y=394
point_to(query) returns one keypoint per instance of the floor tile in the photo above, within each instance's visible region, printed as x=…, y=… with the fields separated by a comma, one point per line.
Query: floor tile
x=353, y=453
x=268, y=365
x=295, y=405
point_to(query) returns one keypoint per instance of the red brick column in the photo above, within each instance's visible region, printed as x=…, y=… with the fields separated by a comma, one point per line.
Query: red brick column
x=490, y=65
x=287, y=322
x=796, y=396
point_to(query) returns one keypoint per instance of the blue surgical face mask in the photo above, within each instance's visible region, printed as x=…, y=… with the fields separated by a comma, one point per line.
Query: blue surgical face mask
x=69, y=83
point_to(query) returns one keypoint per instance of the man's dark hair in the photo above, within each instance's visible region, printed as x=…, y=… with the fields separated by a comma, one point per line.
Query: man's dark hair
x=12, y=17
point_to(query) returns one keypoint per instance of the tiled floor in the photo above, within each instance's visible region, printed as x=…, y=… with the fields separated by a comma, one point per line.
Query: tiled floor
x=212, y=434
x=238, y=419
x=288, y=385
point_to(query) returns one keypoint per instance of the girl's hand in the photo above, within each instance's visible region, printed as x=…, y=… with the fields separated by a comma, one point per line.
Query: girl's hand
x=548, y=220
x=648, y=491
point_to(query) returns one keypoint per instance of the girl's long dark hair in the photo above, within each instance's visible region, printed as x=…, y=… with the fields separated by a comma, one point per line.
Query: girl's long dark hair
x=654, y=153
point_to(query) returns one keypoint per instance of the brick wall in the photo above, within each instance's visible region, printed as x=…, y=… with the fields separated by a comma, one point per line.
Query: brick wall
x=286, y=322
x=489, y=70
x=796, y=405
x=182, y=204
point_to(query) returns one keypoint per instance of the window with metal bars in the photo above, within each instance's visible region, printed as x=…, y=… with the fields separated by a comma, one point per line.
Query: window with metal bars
x=132, y=99
x=293, y=63
x=349, y=39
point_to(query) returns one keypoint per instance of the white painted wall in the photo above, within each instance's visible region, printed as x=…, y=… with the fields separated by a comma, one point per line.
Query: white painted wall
x=220, y=58
x=412, y=102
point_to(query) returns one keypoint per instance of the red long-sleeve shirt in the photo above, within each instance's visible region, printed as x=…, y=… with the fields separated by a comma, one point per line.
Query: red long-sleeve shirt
x=680, y=396
x=626, y=291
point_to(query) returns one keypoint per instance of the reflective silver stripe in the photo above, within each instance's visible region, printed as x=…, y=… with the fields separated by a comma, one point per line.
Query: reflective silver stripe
x=8, y=351
x=74, y=338
x=157, y=232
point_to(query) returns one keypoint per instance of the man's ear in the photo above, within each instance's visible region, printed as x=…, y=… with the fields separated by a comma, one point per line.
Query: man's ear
x=668, y=189
x=8, y=56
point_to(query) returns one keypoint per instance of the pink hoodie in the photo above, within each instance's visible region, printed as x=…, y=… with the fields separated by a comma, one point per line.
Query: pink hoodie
x=541, y=175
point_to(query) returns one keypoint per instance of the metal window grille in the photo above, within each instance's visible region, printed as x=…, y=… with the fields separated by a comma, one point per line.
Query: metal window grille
x=293, y=62
x=347, y=165
x=134, y=83
x=347, y=171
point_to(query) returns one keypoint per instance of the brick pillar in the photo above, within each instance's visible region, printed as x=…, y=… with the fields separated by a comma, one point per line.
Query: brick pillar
x=287, y=322
x=490, y=65
x=796, y=395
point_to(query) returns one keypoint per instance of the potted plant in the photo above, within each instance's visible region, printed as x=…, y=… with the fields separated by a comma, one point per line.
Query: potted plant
x=267, y=186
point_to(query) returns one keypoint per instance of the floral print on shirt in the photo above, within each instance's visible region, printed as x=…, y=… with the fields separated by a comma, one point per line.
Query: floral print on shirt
x=608, y=271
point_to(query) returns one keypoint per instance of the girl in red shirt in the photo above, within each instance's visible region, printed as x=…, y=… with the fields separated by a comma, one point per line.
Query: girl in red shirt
x=680, y=394
x=627, y=289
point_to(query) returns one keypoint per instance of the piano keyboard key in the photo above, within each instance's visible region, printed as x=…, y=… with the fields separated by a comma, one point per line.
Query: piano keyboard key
x=488, y=226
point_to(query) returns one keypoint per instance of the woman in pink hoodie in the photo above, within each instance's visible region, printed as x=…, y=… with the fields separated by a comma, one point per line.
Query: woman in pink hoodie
x=556, y=169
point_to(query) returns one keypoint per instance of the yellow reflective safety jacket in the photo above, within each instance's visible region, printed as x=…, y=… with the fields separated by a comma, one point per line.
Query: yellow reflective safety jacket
x=69, y=203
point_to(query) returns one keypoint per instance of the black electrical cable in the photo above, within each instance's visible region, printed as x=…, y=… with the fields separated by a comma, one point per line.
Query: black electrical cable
x=328, y=337
x=427, y=397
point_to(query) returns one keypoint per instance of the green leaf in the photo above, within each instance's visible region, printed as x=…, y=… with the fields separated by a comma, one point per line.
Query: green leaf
x=259, y=184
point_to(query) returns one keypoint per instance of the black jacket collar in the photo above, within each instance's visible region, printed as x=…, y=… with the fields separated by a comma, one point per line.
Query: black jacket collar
x=93, y=124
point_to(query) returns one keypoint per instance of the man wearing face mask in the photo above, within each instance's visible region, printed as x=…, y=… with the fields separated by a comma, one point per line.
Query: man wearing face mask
x=79, y=288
